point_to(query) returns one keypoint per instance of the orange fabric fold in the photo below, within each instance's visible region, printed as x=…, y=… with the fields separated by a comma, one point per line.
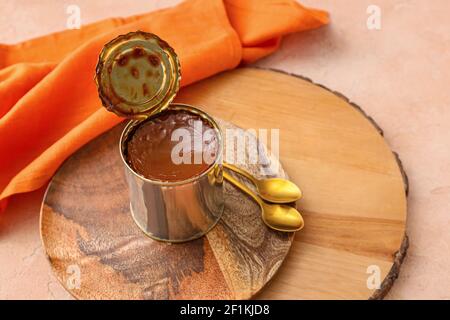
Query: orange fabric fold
x=260, y=24
x=49, y=106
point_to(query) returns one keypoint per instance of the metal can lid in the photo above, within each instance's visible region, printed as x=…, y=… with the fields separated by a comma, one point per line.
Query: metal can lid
x=137, y=75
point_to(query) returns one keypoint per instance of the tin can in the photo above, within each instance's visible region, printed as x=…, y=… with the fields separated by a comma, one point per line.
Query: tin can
x=138, y=75
x=176, y=211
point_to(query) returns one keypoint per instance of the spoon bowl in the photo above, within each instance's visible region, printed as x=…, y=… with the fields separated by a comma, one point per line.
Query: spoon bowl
x=282, y=217
x=278, y=190
x=274, y=190
x=279, y=217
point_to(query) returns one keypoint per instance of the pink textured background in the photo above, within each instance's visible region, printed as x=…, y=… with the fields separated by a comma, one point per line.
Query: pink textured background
x=400, y=75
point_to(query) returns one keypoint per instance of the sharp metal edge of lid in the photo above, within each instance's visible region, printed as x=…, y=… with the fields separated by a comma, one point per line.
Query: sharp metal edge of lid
x=137, y=75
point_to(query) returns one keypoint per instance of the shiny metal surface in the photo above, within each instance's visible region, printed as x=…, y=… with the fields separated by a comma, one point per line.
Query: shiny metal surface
x=176, y=211
x=275, y=190
x=280, y=217
x=138, y=74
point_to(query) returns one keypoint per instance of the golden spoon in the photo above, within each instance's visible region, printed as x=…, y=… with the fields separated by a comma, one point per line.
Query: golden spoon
x=274, y=189
x=276, y=216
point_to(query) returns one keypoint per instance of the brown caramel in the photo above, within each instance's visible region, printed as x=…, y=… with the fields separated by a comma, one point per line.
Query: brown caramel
x=149, y=149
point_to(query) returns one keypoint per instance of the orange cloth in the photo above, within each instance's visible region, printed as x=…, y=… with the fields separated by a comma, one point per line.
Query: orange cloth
x=49, y=106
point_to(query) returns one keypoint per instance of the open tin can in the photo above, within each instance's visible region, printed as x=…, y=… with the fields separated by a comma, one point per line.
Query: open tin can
x=138, y=76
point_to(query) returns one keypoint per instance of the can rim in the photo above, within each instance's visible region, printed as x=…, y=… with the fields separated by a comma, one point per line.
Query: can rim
x=175, y=106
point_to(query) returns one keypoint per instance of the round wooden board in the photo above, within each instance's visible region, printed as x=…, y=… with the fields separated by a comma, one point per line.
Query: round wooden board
x=87, y=228
x=354, y=201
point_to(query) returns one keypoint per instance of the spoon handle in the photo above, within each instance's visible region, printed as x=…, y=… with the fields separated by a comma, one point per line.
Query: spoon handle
x=241, y=172
x=242, y=187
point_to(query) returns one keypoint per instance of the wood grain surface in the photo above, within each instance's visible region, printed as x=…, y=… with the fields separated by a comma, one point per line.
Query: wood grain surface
x=354, y=203
x=86, y=226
